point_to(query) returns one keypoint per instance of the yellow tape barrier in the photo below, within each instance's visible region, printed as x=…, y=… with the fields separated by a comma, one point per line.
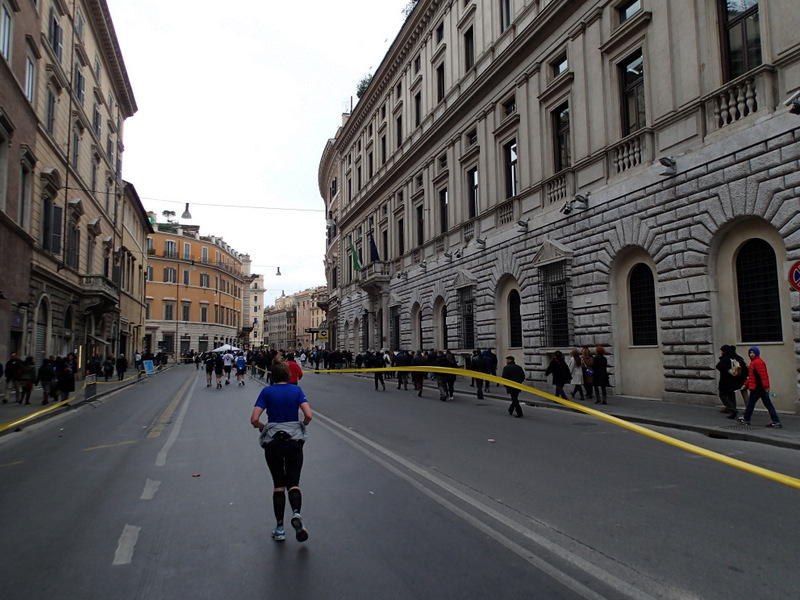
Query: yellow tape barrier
x=53, y=406
x=775, y=476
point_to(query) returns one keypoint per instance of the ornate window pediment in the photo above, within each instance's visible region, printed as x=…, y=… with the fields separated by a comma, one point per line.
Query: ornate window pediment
x=464, y=279
x=552, y=251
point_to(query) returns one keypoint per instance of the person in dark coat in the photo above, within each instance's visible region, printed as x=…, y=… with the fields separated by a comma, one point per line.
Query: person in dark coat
x=600, y=368
x=64, y=378
x=561, y=373
x=122, y=366
x=480, y=365
x=45, y=377
x=418, y=360
x=729, y=381
x=513, y=372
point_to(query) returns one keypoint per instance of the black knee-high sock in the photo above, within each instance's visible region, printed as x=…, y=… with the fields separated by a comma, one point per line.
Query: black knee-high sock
x=279, y=504
x=295, y=499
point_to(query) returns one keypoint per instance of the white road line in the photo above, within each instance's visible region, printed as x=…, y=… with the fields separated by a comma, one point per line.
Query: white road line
x=600, y=574
x=126, y=544
x=161, y=459
x=150, y=489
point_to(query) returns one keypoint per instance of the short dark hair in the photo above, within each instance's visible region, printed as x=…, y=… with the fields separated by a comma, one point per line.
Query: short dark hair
x=280, y=372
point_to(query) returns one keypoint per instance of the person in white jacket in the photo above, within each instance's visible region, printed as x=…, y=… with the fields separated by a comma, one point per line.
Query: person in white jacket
x=576, y=369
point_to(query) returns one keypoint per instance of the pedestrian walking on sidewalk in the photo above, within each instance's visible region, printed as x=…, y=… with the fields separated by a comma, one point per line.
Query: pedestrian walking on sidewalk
x=561, y=373
x=282, y=438
x=418, y=377
x=480, y=365
x=600, y=368
x=730, y=380
x=587, y=363
x=45, y=377
x=513, y=372
x=576, y=371
x=27, y=379
x=13, y=377
x=122, y=366
x=758, y=384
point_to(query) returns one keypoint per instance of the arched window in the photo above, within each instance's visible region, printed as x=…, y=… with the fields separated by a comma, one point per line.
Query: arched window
x=643, y=307
x=514, y=320
x=757, y=285
x=443, y=326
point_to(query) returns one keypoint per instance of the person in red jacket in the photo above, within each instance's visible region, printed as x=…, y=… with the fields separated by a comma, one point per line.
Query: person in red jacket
x=758, y=384
x=295, y=369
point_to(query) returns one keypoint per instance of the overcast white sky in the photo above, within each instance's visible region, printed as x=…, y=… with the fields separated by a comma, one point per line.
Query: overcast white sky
x=236, y=102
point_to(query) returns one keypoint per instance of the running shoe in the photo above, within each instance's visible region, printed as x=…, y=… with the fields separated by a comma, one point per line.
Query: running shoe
x=279, y=534
x=297, y=523
x=741, y=421
x=775, y=425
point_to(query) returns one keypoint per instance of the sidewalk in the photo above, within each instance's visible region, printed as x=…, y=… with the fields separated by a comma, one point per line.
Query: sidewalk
x=15, y=417
x=706, y=420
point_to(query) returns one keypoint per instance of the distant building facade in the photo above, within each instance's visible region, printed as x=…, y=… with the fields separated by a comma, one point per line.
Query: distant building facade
x=72, y=274
x=195, y=286
x=252, y=305
x=535, y=176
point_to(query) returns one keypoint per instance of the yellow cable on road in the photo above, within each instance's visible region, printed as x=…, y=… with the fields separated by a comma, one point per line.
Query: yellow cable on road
x=739, y=464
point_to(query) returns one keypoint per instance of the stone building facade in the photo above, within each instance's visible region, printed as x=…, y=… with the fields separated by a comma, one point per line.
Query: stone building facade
x=534, y=176
x=195, y=286
x=71, y=228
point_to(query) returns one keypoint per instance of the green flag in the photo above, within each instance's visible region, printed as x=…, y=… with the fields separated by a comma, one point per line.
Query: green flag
x=356, y=259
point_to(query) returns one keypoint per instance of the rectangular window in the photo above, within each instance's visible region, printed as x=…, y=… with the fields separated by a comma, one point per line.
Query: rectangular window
x=383, y=149
x=73, y=245
x=505, y=14
x=370, y=165
x=399, y=124
x=97, y=121
x=25, y=194
x=417, y=65
x=439, y=32
x=30, y=78
x=559, y=65
x=90, y=248
x=170, y=275
x=632, y=80
x=472, y=192
x=554, y=322
x=170, y=249
x=76, y=147
x=187, y=251
x=50, y=119
x=469, y=49
x=417, y=109
x=628, y=9
x=511, y=158
x=51, y=226
x=742, y=36
x=148, y=310
x=5, y=31
x=204, y=255
x=149, y=272
x=467, y=317
x=79, y=83
x=204, y=280
x=186, y=277
x=203, y=314
x=420, y=225
x=561, y=143
x=169, y=311
x=185, y=309
x=440, y=89
x=444, y=225
x=55, y=35
x=510, y=106
x=401, y=237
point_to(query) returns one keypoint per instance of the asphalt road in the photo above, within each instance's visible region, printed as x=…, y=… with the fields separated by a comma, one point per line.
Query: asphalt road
x=161, y=491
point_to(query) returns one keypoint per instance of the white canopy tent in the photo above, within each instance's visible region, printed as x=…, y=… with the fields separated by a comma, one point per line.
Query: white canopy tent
x=225, y=348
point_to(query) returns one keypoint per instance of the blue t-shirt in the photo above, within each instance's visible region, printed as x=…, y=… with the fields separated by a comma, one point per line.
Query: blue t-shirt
x=281, y=402
x=240, y=362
